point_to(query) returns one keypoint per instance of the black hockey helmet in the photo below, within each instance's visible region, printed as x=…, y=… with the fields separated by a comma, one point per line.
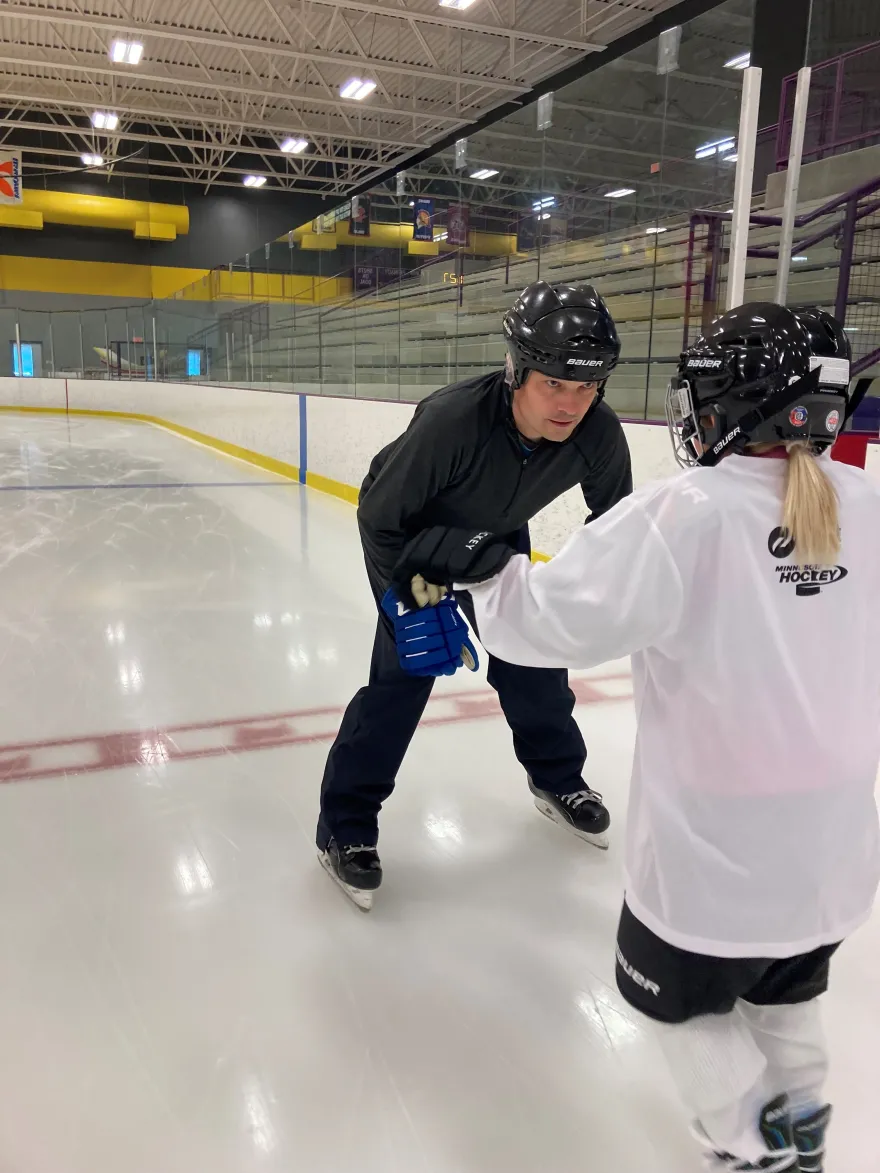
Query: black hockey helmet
x=754, y=378
x=561, y=330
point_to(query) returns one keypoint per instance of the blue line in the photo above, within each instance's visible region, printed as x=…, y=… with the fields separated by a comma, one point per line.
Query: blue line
x=152, y=485
x=303, y=440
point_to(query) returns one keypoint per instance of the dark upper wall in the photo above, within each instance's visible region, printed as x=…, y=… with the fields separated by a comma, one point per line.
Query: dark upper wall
x=224, y=224
x=837, y=26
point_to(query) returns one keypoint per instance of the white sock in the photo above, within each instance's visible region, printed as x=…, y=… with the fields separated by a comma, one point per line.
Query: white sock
x=792, y=1042
x=720, y=1073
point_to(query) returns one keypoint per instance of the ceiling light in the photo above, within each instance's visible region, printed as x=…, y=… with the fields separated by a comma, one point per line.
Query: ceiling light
x=653, y=231
x=484, y=173
x=800, y=259
x=293, y=146
x=461, y=5
x=619, y=193
x=412, y=203
x=732, y=158
x=741, y=61
x=101, y=120
x=721, y=146
x=850, y=329
x=357, y=89
x=441, y=235
x=547, y=202
x=92, y=160
x=126, y=52
x=545, y=216
x=254, y=180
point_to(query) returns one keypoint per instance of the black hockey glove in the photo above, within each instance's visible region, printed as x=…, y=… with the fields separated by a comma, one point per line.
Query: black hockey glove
x=444, y=555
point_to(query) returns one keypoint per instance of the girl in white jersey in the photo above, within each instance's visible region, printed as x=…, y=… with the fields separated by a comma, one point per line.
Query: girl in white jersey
x=745, y=590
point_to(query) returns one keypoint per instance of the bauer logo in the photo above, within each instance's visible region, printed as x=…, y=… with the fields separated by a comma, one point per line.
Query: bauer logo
x=722, y=444
x=586, y=362
x=704, y=364
x=634, y=975
x=806, y=580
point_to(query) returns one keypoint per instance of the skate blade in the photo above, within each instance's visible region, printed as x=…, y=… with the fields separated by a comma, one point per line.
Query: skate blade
x=359, y=897
x=600, y=839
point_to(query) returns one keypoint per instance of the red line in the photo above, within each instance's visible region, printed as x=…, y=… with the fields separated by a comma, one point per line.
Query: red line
x=261, y=718
x=121, y=749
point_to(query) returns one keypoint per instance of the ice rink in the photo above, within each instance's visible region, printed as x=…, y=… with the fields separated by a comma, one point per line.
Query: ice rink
x=182, y=988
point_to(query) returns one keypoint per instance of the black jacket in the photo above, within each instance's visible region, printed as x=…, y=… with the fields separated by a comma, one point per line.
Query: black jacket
x=461, y=463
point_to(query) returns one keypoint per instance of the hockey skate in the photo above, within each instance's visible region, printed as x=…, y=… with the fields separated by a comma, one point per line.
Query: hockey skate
x=776, y=1128
x=356, y=870
x=809, y=1136
x=581, y=812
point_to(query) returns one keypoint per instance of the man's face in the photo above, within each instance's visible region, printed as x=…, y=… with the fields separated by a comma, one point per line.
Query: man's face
x=545, y=408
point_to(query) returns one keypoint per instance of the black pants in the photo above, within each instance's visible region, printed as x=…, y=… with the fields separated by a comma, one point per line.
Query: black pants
x=674, y=985
x=380, y=721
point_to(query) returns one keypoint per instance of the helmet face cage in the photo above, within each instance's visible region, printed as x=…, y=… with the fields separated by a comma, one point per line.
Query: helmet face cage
x=683, y=423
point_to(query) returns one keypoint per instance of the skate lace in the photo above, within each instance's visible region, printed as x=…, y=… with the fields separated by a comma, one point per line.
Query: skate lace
x=372, y=852
x=577, y=798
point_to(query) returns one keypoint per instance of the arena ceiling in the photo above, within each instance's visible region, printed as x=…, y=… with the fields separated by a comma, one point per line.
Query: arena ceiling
x=221, y=84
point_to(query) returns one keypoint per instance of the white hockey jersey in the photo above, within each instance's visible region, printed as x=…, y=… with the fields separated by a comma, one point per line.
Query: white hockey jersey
x=753, y=828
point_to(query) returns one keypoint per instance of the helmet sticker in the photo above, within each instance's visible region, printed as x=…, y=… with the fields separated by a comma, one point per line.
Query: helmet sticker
x=834, y=371
x=832, y=421
x=798, y=416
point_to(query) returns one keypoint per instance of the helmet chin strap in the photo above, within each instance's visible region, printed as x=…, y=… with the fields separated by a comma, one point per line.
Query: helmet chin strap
x=740, y=436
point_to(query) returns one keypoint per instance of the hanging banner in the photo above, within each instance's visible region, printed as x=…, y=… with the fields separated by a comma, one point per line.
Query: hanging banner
x=423, y=219
x=458, y=224
x=365, y=277
x=359, y=220
x=10, y=177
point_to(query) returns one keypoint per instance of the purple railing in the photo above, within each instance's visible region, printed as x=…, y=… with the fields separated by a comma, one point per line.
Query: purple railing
x=843, y=110
x=855, y=228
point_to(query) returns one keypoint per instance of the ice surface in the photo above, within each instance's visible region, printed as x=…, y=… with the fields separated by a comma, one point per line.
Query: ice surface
x=181, y=986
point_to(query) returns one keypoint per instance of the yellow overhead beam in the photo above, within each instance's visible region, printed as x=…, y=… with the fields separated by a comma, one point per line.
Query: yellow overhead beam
x=146, y=220
x=400, y=236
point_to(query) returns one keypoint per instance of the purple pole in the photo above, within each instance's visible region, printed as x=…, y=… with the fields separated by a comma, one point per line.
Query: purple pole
x=710, y=279
x=688, y=285
x=838, y=98
x=846, y=255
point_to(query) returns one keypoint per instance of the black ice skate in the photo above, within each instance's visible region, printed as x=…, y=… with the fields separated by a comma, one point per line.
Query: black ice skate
x=356, y=870
x=582, y=812
x=776, y=1128
x=809, y=1136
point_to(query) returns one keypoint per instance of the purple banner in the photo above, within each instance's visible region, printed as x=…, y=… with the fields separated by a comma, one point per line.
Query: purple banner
x=458, y=224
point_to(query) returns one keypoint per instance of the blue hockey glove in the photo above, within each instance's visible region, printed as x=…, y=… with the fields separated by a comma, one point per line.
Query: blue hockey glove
x=432, y=640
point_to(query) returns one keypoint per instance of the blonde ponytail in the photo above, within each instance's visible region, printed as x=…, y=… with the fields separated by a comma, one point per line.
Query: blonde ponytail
x=810, y=511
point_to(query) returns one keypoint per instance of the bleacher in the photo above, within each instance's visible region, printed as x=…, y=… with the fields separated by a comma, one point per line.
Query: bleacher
x=407, y=340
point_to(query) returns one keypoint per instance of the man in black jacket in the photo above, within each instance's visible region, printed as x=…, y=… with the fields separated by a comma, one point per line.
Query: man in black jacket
x=489, y=452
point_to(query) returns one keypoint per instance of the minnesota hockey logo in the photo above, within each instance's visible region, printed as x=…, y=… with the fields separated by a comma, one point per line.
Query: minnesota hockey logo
x=780, y=543
x=807, y=580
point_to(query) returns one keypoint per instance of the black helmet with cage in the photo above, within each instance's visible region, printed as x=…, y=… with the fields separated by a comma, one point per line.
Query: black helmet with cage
x=761, y=374
x=564, y=331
